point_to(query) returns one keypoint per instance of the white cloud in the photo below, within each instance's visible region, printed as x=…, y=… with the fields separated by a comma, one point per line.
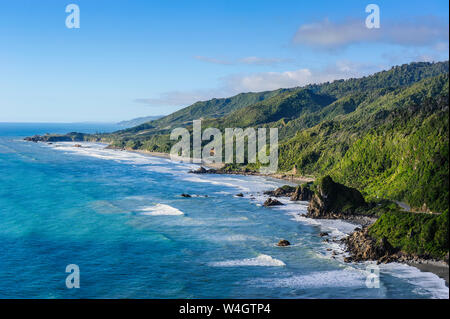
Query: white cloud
x=423, y=31
x=268, y=80
x=264, y=81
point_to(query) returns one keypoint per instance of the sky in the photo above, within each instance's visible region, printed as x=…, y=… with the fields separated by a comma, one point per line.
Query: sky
x=136, y=58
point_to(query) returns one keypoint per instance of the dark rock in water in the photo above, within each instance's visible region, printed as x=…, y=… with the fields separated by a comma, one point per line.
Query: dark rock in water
x=323, y=234
x=200, y=170
x=240, y=195
x=185, y=195
x=203, y=170
x=272, y=202
x=283, y=243
x=334, y=201
x=77, y=145
x=285, y=191
x=34, y=138
x=302, y=193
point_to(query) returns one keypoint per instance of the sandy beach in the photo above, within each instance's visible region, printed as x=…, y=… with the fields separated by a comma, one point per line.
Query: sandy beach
x=440, y=269
x=281, y=176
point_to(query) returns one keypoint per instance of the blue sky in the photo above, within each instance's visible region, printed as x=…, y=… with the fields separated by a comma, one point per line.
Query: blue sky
x=136, y=58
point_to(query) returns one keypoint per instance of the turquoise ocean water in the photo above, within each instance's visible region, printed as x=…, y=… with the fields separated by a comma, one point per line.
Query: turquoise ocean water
x=119, y=216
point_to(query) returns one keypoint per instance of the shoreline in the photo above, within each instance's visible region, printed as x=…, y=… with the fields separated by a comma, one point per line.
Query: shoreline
x=439, y=268
x=279, y=176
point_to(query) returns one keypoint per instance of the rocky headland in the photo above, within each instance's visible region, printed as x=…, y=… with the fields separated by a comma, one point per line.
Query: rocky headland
x=69, y=137
x=373, y=240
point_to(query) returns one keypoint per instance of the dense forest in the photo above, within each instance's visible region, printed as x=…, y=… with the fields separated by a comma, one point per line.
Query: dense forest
x=384, y=134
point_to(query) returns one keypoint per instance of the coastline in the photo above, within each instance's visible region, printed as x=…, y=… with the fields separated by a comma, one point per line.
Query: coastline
x=439, y=268
x=279, y=176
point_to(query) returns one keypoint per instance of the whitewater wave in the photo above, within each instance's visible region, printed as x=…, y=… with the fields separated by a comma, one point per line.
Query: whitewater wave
x=337, y=228
x=159, y=210
x=261, y=260
x=234, y=238
x=98, y=150
x=426, y=283
x=346, y=278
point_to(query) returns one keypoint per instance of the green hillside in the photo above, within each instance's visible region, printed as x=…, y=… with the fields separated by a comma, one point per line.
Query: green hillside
x=384, y=134
x=214, y=108
x=384, y=137
x=394, y=147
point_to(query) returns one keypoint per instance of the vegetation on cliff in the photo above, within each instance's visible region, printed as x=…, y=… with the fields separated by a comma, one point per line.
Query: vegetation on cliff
x=424, y=235
x=395, y=147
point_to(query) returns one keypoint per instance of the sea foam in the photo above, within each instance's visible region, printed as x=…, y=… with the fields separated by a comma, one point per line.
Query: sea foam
x=319, y=279
x=261, y=260
x=159, y=210
x=426, y=283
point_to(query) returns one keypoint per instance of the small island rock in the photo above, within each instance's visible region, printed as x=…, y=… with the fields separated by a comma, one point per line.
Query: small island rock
x=283, y=243
x=272, y=202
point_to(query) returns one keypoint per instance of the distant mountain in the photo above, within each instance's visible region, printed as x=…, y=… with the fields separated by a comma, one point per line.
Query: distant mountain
x=139, y=120
x=214, y=108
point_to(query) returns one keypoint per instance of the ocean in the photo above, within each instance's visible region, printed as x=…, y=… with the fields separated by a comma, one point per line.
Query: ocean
x=120, y=218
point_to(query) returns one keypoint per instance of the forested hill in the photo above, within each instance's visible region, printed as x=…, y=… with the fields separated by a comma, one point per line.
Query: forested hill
x=213, y=108
x=393, y=146
x=247, y=109
x=385, y=134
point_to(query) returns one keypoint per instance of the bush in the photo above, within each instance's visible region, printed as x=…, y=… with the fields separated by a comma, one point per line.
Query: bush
x=425, y=235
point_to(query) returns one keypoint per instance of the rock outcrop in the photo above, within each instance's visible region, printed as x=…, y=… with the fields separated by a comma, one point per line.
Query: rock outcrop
x=362, y=247
x=69, y=137
x=334, y=201
x=272, y=202
x=283, y=191
x=302, y=193
x=283, y=243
